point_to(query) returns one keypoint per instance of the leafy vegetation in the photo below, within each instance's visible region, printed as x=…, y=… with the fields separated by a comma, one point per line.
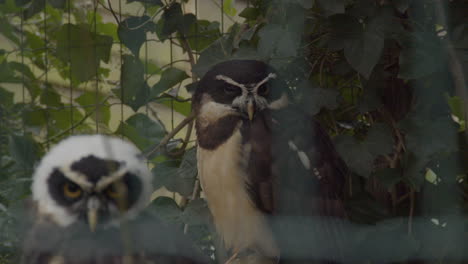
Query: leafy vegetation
x=386, y=78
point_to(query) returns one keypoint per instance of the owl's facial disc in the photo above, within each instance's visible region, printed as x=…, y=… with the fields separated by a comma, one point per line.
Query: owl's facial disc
x=250, y=98
x=96, y=201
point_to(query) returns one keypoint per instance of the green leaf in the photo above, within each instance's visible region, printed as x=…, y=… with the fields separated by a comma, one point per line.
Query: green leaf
x=283, y=37
x=142, y=130
x=57, y=3
x=35, y=117
x=62, y=119
x=342, y=29
x=185, y=25
x=93, y=103
x=457, y=108
x=356, y=155
x=196, y=213
x=360, y=156
x=187, y=172
x=312, y=99
x=82, y=49
x=429, y=136
x=167, y=209
x=9, y=6
x=363, y=42
x=109, y=29
x=36, y=45
x=7, y=74
x=379, y=139
x=250, y=13
x=165, y=175
x=401, y=5
x=364, y=53
x=35, y=7
x=50, y=97
x=152, y=68
x=228, y=8
x=183, y=108
x=169, y=78
x=6, y=98
x=172, y=18
x=364, y=209
x=24, y=150
x=22, y=69
x=219, y=51
x=134, y=90
x=275, y=40
x=7, y=30
x=177, y=176
x=331, y=7
x=306, y=3
x=388, y=177
x=150, y=2
x=202, y=34
x=132, y=32
x=422, y=55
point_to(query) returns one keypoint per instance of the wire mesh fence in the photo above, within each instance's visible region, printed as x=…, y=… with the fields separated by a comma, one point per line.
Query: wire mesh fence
x=385, y=79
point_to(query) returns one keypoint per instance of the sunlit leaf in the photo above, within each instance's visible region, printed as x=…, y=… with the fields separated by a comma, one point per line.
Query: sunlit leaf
x=24, y=150
x=228, y=8
x=83, y=49
x=95, y=105
x=132, y=32
x=183, y=108
x=6, y=97
x=134, y=90
x=202, y=34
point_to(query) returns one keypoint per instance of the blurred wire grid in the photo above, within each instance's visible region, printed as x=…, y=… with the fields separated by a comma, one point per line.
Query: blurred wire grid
x=101, y=103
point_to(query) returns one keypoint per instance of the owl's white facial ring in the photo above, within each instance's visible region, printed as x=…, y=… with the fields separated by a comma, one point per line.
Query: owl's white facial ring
x=249, y=102
x=76, y=150
x=99, y=202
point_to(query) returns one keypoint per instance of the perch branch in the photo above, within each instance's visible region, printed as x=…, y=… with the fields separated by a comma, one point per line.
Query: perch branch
x=113, y=12
x=169, y=136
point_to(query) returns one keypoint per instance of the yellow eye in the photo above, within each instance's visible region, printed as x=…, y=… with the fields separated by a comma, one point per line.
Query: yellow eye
x=71, y=190
x=116, y=191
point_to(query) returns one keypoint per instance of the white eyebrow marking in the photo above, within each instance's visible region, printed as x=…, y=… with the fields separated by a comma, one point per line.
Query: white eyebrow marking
x=242, y=86
x=270, y=76
x=230, y=81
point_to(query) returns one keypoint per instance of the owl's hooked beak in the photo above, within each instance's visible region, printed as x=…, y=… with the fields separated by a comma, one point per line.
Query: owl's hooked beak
x=250, y=108
x=93, y=207
x=92, y=219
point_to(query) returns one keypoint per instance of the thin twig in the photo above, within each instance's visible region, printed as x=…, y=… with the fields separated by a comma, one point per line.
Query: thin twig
x=167, y=96
x=195, y=194
x=70, y=128
x=185, y=142
x=456, y=68
x=113, y=12
x=321, y=70
x=411, y=212
x=169, y=136
x=147, y=21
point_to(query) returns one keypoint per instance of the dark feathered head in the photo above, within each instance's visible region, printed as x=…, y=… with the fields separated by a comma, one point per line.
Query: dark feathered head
x=244, y=86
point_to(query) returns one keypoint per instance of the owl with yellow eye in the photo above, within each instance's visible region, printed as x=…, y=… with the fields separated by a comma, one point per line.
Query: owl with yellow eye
x=89, y=194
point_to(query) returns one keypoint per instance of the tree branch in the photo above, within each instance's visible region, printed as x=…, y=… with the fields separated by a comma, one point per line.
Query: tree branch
x=169, y=136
